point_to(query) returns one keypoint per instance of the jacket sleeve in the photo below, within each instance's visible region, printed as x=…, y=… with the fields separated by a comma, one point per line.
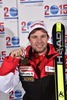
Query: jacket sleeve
x=9, y=65
x=9, y=75
x=9, y=81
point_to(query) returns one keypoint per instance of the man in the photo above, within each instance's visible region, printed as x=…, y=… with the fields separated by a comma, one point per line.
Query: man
x=35, y=64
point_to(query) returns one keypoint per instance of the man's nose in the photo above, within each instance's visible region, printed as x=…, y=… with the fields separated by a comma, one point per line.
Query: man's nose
x=39, y=39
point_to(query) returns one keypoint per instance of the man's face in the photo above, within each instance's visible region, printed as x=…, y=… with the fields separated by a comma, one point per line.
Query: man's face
x=38, y=41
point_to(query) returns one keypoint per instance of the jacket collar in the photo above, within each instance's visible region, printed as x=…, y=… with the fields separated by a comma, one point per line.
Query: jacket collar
x=50, y=51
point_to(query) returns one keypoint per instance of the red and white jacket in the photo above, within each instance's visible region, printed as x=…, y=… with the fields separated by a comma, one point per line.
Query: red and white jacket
x=9, y=73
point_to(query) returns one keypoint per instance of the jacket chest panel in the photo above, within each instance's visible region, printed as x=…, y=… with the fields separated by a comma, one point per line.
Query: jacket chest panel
x=28, y=73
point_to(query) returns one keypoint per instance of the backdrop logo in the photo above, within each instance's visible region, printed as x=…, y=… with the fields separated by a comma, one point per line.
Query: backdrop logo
x=10, y=13
x=28, y=24
x=15, y=40
x=55, y=10
x=15, y=95
x=2, y=55
x=25, y=26
x=18, y=93
x=0, y=1
x=1, y=27
x=12, y=42
x=13, y=11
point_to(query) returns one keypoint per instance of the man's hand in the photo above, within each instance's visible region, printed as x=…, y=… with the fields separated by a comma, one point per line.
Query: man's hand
x=18, y=53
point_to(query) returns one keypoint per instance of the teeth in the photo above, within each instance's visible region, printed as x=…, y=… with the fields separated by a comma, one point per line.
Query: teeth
x=39, y=46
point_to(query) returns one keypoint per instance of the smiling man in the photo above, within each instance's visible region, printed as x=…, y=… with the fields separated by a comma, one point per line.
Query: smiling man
x=36, y=68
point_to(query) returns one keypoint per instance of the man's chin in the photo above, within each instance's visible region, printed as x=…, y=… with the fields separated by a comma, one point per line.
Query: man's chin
x=39, y=51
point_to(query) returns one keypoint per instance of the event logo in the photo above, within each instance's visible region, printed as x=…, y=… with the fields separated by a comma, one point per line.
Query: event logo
x=2, y=28
x=55, y=10
x=15, y=95
x=25, y=26
x=15, y=40
x=0, y=1
x=12, y=42
x=11, y=13
x=18, y=93
x=2, y=55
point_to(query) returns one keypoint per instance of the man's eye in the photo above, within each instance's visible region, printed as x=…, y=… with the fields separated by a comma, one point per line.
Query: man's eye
x=34, y=37
x=43, y=36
